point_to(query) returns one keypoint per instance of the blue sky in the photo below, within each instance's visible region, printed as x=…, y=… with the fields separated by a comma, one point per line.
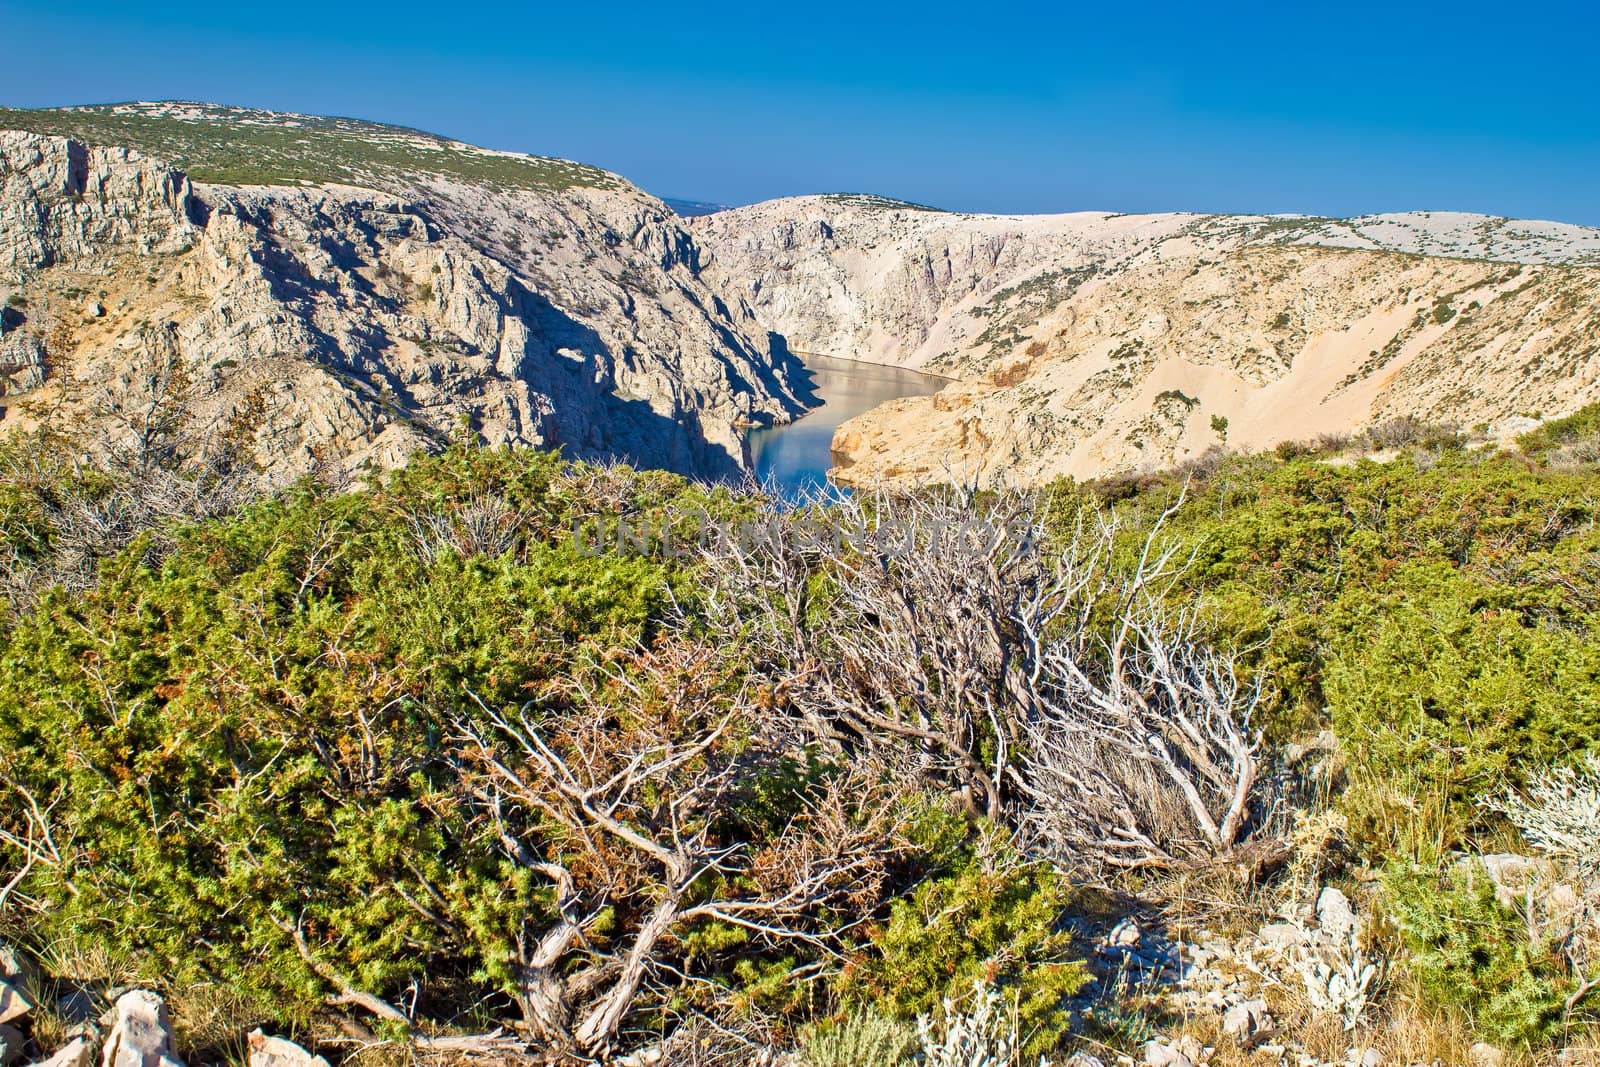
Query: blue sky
x=1331, y=109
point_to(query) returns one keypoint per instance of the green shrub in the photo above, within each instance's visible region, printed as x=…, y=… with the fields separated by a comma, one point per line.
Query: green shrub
x=862, y=1038
x=1442, y=689
x=1581, y=426
x=1002, y=927
x=1467, y=949
x=248, y=741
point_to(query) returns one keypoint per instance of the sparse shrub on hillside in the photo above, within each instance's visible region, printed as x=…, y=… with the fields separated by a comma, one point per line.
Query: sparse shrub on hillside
x=1404, y=431
x=1466, y=948
x=1000, y=928
x=1559, y=814
x=1575, y=438
x=1176, y=396
x=1333, y=442
x=1398, y=432
x=863, y=1037
x=1200, y=468
x=481, y=526
x=1149, y=757
x=65, y=514
x=1028, y=670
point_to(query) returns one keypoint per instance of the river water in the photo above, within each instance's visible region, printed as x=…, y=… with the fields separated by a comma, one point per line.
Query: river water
x=795, y=458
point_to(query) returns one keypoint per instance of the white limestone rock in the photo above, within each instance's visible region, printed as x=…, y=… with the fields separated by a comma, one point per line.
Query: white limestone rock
x=1249, y=1023
x=76, y=1053
x=370, y=322
x=141, y=1034
x=268, y=1051
x=1484, y=1054
x=1335, y=914
x=14, y=1001
x=1161, y=1054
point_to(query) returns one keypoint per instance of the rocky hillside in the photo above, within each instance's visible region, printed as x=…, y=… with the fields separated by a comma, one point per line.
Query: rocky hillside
x=1088, y=343
x=326, y=290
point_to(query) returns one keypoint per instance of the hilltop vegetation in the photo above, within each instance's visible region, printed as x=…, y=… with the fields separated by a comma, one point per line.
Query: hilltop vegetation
x=243, y=146
x=468, y=749
x=872, y=201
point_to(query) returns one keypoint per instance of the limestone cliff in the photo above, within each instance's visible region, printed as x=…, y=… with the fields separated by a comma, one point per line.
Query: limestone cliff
x=374, y=291
x=1090, y=343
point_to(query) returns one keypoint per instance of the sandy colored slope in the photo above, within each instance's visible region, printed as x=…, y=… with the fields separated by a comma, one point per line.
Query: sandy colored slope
x=1092, y=343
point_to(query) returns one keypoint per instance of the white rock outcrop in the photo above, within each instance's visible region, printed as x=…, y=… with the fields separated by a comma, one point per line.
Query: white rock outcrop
x=268, y=1051
x=141, y=1033
x=359, y=324
x=17, y=978
x=14, y=1003
x=1248, y=1022
x=76, y=1053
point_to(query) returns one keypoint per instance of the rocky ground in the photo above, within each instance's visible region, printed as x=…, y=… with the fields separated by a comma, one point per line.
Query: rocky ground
x=1301, y=990
x=1295, y=992
x=135, y=1031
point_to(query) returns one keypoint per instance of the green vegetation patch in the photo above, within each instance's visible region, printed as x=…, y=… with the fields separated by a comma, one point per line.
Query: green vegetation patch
x=243, y=146
x=881, y=203
x=302, y=736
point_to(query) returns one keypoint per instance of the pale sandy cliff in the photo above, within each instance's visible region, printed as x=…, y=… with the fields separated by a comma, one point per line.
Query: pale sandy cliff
x=1091, y=343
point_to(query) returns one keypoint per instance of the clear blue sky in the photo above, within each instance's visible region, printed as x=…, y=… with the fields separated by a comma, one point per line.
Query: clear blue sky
x=1329, y=109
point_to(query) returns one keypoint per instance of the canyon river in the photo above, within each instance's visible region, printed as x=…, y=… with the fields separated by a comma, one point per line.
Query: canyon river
x=795, y=458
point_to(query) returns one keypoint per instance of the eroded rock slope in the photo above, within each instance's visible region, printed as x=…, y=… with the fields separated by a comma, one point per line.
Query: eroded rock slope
x=382, y=291
x=1091, y=343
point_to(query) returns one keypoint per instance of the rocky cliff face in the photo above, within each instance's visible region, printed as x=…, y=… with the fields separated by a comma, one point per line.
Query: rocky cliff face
x=1090, y=343
x=531, y=302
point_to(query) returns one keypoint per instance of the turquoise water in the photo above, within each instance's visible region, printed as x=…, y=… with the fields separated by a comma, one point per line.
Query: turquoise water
x=796, y=457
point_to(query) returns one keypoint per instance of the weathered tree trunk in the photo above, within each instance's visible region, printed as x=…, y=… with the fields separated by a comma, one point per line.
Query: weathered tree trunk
x=543, y=1002
x=601, y=1023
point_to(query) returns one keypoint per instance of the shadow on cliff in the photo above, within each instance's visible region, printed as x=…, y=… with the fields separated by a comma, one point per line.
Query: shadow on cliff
x=791, y=371
x=785, y=376
x=592, y=420
x=567, y=360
